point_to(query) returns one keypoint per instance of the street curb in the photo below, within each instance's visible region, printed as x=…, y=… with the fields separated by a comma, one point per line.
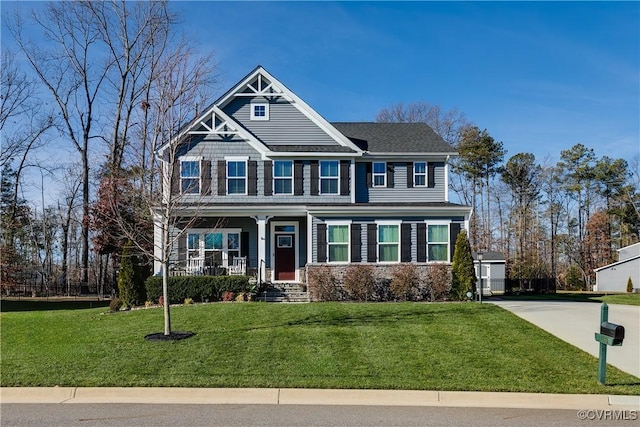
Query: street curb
x=289, y=396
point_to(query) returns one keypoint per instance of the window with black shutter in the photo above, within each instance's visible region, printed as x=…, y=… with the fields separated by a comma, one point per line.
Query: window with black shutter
x=321, y=238
x=298, y=178
x=421, y=242
x=344, y=177
x=356, y=243
x=315, y=177
x=431, y=171
x=268, y=177
x=372, y=242
x=405, y=242
x=390, y=175
x=252, y=178
x=206, y=177
x=222, y=177
x=409, y=174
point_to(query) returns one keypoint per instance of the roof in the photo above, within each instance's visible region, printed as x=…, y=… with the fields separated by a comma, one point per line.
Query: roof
x=489, y=256
x=394, y=137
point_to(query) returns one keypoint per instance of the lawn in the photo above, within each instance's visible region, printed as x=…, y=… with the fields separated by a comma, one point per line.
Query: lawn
x=626, y=299
x=448, y=346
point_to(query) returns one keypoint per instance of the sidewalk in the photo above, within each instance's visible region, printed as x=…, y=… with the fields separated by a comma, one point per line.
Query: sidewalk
x=285, y=396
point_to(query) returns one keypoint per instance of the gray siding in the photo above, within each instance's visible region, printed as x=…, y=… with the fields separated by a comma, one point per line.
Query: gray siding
x=400, y=191
x=286, y=124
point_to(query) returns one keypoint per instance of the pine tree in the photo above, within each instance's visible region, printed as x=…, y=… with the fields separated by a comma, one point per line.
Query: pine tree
x=130, y=278
x=462, y=269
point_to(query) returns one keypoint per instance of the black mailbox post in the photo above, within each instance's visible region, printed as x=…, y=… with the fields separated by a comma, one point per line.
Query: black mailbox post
x=610, y=334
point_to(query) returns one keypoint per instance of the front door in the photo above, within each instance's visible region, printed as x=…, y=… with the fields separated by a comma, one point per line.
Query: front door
x=285, y=257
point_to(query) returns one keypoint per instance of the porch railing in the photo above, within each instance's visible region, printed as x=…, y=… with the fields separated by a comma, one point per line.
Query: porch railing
x=197, y=267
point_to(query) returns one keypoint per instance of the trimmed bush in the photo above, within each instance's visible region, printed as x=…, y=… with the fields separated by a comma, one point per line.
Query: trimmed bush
x=629, y=285
x=198, y=288
x=359, y=282
x=463, y=271
x=405, y=282
x=439, y=282
x=115, y=305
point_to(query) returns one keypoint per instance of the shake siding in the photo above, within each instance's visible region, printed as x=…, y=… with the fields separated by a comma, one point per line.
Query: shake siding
x=286, y=125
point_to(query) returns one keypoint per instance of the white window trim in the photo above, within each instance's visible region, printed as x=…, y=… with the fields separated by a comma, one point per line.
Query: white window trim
x=321, y=177
x=273, y=173
x=245, y=160
x=388, y=222
x=266, y=111
x=426, y=238
x=426, y=175
x=191, y=159
x=225, y=239
x=374, y=174
x=337, y=222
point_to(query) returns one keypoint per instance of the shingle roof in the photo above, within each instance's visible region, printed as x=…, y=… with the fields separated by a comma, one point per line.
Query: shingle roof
x=394, y=137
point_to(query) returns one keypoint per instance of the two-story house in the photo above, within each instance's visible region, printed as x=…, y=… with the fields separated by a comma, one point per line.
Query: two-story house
x=262, y=177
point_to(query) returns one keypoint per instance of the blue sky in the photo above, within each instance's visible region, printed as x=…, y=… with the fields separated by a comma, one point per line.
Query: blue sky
x=539, y=76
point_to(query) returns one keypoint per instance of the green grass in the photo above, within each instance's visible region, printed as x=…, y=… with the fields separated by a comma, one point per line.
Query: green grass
x=626, y=299
x=454, y=346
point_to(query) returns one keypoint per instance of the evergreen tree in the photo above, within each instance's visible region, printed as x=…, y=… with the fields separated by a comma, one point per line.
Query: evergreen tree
x=462, y=269
x=131, y=278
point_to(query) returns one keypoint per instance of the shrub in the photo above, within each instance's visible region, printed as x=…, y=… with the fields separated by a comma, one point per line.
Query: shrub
x=405, y=281
x=463, y=271
x=228, y=296
x=439, y=282
x=323, y=285
x=359, y=282
x=629, y=285
x=198, y=288
x=188, y=301
x=131, y=276
x=115, y=305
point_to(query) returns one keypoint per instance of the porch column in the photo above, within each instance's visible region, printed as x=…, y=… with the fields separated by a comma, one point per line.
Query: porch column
x=261, y=221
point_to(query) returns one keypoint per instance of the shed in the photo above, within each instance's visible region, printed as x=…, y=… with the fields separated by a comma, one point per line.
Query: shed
x=492, y=271
x=614, y=277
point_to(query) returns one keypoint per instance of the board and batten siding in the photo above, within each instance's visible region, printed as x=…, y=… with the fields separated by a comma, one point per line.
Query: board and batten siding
x=286, y=124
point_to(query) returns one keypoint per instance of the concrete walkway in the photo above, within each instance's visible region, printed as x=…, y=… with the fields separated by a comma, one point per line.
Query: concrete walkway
x=577, y=322
x=284, y=396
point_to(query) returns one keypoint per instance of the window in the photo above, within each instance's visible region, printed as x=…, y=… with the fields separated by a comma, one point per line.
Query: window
x=236, y=177
x=208, y=248
x=283, y=177
x=388, y=243
x=190, y=177
x=338, y=243
x=259, y=111
x=379, y=174
x=438, y=243
x=420, y=174
x=329, y=177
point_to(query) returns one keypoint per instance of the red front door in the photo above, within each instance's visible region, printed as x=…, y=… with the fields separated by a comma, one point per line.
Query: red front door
x=285, y=257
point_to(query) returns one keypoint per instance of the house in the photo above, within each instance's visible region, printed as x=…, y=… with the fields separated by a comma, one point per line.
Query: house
x=491, y=269
x=614, y=277
x=263, y=178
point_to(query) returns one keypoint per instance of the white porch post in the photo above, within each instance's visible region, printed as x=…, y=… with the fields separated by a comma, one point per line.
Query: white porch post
x=261, y=221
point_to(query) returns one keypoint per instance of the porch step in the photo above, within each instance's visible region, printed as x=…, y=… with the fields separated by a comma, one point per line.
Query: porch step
x=284, y=292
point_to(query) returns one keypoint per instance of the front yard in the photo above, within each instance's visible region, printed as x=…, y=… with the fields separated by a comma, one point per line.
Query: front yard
x=441, y=346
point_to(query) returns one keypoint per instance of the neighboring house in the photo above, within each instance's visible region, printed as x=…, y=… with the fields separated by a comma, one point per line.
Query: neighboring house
x=614, y=277
x=264, y=179
x=493, y=272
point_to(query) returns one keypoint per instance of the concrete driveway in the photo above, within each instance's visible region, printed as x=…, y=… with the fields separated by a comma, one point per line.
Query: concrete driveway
x=576, y=323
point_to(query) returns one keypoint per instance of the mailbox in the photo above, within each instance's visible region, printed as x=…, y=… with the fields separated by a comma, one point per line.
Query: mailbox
x=612, y=331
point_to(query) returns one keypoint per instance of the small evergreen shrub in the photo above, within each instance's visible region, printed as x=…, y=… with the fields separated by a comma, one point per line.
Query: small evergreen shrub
x=629, y=285
x=115, y=305
x=323, y=285
x=359, y=282
x=405, y=282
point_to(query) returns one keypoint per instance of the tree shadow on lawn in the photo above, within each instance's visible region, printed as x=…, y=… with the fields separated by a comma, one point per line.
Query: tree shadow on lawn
x=7, y=306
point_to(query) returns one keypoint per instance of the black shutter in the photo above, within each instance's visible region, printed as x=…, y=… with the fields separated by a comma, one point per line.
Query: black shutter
x=422, y=242
x=409, y=174
x=431, y=172
x=268, y=177
x=315, y=177
x=369, y=174
x=321, y=239
x=390, y=175
x=205, y=177
x=344, y=177
x=454, y=230
x=356, y=243
x=175, y=178
x=244, y=244
x=405, y=243
x=222, y=178
x=298, y=178
x=372, y=242
x=252, y=178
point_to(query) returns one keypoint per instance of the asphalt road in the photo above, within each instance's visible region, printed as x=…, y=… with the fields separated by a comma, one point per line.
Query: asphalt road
x=577, y=322
x=93, y=415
